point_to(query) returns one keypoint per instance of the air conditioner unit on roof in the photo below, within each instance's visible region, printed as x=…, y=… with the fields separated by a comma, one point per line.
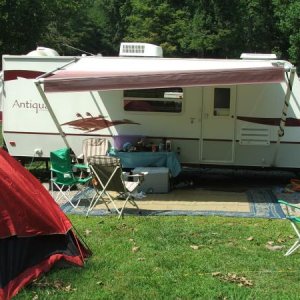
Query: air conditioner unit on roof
x=140, y=49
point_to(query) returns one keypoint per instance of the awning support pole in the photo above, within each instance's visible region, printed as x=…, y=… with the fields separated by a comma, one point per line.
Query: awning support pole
x=57, y=69
x=52, y=114
x=290, y=81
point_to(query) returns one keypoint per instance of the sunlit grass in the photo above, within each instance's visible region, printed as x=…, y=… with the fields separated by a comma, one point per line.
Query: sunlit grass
x=177, y=258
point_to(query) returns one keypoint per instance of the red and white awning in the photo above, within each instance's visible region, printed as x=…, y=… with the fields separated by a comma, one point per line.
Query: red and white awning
x=118, y=73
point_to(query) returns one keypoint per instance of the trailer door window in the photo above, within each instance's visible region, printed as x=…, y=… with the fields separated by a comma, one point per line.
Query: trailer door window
x=154, y=100
x=222, y=102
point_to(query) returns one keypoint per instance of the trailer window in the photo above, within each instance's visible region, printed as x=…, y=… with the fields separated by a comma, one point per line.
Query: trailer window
x=154, y=100
x=222, y=102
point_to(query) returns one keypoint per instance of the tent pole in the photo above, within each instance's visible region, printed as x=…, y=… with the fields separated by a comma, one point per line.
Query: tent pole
x=290, y=81
x=55, y=120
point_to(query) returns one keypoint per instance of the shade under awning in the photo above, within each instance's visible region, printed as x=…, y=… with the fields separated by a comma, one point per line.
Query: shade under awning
x=99, y=73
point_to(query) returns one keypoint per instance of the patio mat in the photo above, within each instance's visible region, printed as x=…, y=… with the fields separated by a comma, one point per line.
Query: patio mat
x=258, y=203
x=292, y=197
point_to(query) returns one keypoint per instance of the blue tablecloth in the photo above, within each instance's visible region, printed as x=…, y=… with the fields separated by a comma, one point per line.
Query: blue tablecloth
x=150, y=159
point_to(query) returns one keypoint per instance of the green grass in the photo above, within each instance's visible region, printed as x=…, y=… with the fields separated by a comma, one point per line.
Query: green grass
x=177, y=258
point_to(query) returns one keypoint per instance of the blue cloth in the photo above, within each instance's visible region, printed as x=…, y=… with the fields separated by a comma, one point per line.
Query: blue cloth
x=150, y=159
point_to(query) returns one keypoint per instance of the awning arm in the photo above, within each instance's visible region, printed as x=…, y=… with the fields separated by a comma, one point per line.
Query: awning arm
x=57, y=69
x=38, y=82
x=52, y=114
x=290, y=81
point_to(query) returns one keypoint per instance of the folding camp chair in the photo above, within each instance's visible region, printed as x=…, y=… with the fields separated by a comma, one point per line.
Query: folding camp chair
x=62, y=176
x=108, y=177
x=92, y=147
x=294, y=218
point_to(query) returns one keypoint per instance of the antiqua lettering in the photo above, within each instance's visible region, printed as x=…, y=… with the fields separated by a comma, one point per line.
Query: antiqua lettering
x=30, y=105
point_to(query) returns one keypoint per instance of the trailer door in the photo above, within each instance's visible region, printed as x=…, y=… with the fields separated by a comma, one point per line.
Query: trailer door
x=218, y=125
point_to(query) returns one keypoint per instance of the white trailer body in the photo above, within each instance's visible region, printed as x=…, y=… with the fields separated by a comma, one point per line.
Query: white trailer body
x=27, y=125
x=244, y=115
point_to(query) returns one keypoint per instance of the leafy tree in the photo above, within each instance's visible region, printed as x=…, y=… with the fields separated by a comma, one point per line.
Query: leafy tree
x=21, y=24
x=212, y=29
x=258, y=32
x=157, y=22
x=109, y=19
x=287, y=13
x=68, y=24
x=26, y=24
x=215, y=28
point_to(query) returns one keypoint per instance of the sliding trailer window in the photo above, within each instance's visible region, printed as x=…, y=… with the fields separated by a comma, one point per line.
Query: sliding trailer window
x=167, y=100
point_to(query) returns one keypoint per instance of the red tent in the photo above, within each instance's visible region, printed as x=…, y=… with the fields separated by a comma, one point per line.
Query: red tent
x=34, y=232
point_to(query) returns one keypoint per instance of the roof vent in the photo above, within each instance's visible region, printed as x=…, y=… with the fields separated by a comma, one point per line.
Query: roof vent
x=258, y=56
x=43, y=51
x=140, y=49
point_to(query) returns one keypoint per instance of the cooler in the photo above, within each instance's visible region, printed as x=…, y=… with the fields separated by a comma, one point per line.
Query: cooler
x=156, y=180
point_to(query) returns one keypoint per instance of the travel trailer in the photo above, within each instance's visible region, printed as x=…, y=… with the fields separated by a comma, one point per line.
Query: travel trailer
x=217, y=112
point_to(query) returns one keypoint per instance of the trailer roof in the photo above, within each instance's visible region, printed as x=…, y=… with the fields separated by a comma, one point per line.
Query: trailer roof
x=104, y=73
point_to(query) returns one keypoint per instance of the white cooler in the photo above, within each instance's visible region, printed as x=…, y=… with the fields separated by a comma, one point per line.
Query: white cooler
x=156, y=180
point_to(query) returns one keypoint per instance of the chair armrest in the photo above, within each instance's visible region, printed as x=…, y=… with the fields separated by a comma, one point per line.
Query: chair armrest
x=65, y=174
x=135, y=175
x=81, y=166
x=289, y=204
x=290, y=210
x=139, y=176
x=57, y=171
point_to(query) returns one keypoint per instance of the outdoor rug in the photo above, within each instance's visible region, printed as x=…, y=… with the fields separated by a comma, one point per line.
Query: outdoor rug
x=256, y=203
x=291, y=197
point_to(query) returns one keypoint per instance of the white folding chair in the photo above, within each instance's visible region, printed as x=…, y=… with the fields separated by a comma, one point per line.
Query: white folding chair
x=108, y=177
x=92, y=147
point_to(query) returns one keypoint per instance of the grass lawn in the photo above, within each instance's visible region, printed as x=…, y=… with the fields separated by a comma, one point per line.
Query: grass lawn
x=177, y=258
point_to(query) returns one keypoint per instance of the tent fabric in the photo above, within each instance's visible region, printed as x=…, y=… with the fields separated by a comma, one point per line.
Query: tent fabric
x=98, y=73
x=22, y=199
x=34, y=232
x=25, y=259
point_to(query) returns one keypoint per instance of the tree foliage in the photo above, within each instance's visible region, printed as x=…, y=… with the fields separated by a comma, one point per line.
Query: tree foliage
x=287, y=13
x=21, y=24
x=158, y=22
x=190, y=28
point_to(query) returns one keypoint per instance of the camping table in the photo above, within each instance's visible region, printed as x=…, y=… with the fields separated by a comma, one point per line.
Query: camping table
x=150, y=159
